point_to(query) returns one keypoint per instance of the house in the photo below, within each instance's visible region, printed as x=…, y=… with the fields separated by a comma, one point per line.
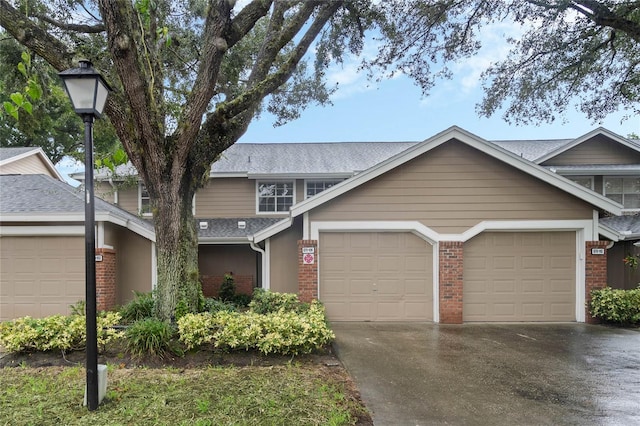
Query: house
x=42, y=251
x=452, y=229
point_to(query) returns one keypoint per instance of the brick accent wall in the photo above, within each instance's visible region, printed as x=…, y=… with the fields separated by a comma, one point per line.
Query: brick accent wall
x=595, y=273
x=451, y=264
x=106, y=280
x=307, y=273
x=211, y=284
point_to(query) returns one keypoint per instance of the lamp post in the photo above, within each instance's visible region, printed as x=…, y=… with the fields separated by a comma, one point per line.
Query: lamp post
x=88, y=93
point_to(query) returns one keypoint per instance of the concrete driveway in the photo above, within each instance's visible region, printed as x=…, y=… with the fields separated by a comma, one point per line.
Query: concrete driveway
x=479, y=374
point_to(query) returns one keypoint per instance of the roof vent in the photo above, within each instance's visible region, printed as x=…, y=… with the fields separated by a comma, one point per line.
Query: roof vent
x=242, y=224
x=204, y=225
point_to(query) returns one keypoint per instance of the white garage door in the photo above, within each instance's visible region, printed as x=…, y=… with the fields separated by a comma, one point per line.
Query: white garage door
x=525, y=276
x=369, y=276
x=40, y=276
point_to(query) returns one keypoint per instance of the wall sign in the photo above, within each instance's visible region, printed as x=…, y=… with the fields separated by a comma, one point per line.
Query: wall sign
x=597, y=251
x=306, y=250
x=98, y=258
x=308, y=259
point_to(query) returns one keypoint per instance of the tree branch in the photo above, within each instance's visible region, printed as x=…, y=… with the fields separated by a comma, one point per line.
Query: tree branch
x=89, y=29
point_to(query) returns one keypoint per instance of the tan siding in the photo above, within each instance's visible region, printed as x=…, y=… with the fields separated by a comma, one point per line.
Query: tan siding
x=299, y=190
x=451, y=189
x=111, y=234
x=128, y=199
x=599, y=150
x=31, y=165
x=105, y=191
x=133, y=259
x=284, y=259
x=228, y=197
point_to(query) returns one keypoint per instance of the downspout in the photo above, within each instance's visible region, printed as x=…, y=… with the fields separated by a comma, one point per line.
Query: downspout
x=263, y=258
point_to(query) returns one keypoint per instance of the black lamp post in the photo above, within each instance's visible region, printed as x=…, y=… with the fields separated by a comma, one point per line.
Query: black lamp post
x=88, y=93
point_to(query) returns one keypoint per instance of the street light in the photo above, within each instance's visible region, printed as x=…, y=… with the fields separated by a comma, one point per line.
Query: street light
x=88, y=93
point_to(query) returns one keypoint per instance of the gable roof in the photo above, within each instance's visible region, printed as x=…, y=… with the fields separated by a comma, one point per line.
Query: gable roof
x=40, y=198
x=11, y=155
x=456, y=133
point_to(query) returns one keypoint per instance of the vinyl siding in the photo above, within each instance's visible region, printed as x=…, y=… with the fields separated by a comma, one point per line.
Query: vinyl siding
x=31, y=165
x=128, y=199
x=133, y=259
x=226, y=197
x=284, y=259
x=450, y=189
x=105, y=191
x=599, y=150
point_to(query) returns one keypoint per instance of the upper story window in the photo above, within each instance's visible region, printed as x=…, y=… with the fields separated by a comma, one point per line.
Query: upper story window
x=275, y=197
x=586, y=181
x=144, y=201
x=624, y=190
x=317, y=186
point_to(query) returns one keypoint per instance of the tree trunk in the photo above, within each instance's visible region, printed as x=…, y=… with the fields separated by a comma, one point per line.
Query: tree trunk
x=179, y=289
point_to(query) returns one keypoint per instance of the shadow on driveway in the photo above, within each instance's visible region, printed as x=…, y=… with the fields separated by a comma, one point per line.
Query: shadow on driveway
x=486, y=374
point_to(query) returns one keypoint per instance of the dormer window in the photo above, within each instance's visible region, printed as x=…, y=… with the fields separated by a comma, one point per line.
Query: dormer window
x=275, y=197
x=625, y=190
x=314, y=187
x=144, y=201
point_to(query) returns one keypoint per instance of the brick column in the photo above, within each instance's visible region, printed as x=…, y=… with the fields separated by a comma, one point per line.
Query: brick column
x=451, y=264
x=106, y=280
x=595, y=273
x=307, y=272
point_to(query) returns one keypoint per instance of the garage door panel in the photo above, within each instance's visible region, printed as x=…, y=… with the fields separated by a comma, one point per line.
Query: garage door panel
x=539, y=287
x=45, y=275
x=394, y=283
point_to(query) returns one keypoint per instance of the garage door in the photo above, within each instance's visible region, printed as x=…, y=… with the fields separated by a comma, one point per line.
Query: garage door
x=526, y=276
x=385, y=276
x=40, y=276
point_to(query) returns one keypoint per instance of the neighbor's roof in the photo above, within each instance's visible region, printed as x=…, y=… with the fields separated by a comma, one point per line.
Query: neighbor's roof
x=40, y=198
x=13, y=154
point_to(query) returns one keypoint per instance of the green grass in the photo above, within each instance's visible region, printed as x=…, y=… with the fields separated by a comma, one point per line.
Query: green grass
x=280, y=395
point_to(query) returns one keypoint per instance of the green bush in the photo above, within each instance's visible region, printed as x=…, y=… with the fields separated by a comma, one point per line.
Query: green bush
x=617, y=306
x=282, y=332
x=215, y=305
x=265, y=301
x=56, y=332
x=139, y=308
x=241, y=300
x=228, y=288
x=149, y=336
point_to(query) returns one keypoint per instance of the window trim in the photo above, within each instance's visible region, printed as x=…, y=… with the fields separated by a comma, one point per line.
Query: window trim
x=604, y=189
x=140, y=212
x=324, y=181
x=291, y=182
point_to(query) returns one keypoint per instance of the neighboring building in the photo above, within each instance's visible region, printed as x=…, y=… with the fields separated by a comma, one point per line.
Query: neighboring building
x=42, y=252
x=451, y=229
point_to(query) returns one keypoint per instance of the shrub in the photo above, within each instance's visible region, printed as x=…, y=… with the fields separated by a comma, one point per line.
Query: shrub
x=617, y=306
x=215, y=305
x=241, y=300
x=265, y=301
x=56, y=332
x=139, y=308
x=228, y=288
x=282, y=332
x=149, y=336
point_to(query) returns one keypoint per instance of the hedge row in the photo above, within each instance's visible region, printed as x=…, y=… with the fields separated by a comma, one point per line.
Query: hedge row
x=616, y=306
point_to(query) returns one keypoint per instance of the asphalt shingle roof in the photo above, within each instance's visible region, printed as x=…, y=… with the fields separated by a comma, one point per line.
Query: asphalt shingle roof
x=532, y=149
x=7, y=153
x=228, y=228
x=628, y=225
x=40, y=194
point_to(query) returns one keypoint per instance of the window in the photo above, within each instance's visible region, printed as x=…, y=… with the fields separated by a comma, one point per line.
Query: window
x=275, y=197
x=624, y=190
x=144, y=201
x=586, y=181
x=317, y=186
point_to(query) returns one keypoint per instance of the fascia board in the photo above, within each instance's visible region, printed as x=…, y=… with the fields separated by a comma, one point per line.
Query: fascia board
x=594, y=171
x=219, y=175
x=306, y=176
x=39, y=152
x=474, y=141
x=272, y=230
x=581, y=139
x=608, y=232
x=222, y=241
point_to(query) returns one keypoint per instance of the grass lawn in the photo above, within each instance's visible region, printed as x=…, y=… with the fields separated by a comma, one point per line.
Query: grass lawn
x=290, y=394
